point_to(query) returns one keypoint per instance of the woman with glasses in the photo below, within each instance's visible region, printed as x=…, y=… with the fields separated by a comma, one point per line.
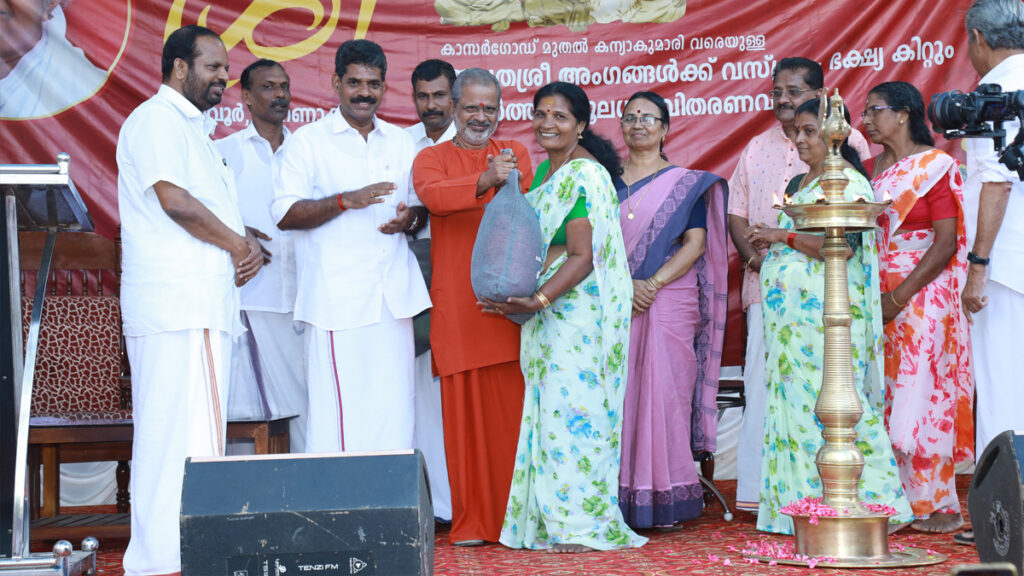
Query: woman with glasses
x=674, y=226
x=923, y=256
x=793, y=295
x=574, y=349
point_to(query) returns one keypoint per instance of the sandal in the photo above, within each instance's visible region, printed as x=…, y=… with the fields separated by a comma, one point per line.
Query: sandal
x=965, y=538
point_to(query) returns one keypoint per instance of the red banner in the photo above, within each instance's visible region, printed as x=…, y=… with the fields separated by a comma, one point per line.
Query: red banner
x=711, y=60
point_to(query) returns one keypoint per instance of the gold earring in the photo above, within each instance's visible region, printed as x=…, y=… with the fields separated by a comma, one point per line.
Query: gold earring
x=580, y=136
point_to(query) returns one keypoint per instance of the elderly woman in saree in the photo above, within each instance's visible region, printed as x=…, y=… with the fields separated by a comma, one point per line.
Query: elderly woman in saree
x=793, y=293
x=923, y=252
x=674, y=226
x=575, y=348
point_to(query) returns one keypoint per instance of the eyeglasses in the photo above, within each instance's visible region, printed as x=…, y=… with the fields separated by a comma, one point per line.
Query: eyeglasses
x=873, y=110
x=473, y=110
x=790, y=92
x=644, y=120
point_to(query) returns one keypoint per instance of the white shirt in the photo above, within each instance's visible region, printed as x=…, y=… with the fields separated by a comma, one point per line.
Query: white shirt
x=1007, y=266
x=346, y=267
x=421, y=140
x=254, y=162
x=52, y=76
x=171, y=280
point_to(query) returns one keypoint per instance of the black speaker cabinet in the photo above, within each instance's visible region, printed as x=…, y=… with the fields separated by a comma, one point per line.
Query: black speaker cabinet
x=307, y=515
x=996, y=501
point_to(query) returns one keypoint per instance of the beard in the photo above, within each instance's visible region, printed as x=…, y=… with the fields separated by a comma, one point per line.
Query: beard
x=202, y=95
x=477, y=138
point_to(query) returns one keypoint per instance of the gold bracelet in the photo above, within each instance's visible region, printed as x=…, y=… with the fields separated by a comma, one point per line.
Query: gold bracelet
x=892, y=297
x=749, y=260
x=544, y=302
x=656, y=282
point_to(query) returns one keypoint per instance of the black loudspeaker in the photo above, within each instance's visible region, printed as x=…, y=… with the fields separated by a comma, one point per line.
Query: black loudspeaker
x=307, y=515
x=996, y=501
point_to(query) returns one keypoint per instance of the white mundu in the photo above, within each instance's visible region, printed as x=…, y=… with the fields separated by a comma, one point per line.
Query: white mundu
x=358, y=288
x=429, y=434
x=180, y=308
x=268, y=375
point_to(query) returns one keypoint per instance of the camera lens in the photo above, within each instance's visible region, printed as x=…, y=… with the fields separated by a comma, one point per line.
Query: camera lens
x=947, y=111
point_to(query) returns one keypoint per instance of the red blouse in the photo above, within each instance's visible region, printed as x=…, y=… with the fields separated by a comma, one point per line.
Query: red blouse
x=936, y=204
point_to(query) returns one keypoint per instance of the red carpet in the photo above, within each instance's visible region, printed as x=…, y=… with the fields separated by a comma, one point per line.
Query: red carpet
x=708, y=546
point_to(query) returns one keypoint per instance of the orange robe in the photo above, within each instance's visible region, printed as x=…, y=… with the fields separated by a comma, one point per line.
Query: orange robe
x=475, y=354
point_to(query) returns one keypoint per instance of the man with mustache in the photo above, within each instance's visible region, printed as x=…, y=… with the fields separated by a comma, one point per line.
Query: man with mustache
x=185, y=252
x=432, y=95
x=475, y=354
x=344, y=186
x=269, y=379
x=766, y=165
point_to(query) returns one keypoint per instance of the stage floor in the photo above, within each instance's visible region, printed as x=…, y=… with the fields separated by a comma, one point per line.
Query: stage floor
x=707, y=546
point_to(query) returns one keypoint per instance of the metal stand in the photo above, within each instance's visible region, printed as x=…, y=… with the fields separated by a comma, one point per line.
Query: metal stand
x=36, y=197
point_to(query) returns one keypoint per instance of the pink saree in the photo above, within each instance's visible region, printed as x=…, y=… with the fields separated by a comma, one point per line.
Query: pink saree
x=670, y=413
x=929, y=388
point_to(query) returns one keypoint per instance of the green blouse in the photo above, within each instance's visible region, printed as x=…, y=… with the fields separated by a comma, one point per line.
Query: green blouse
x=579, y=210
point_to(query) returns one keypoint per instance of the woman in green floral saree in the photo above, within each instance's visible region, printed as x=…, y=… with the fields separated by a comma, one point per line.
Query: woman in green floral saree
x=564, y=495
x=793, y=293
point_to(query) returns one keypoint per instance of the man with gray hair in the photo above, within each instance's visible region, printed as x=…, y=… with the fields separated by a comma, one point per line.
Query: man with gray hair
x=475, y=354
x=993, y=295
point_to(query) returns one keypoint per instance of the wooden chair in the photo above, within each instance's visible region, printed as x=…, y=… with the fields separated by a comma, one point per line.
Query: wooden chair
x=81, y=399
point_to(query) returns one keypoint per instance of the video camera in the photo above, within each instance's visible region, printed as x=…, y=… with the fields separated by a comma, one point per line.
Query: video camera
x=967, y=115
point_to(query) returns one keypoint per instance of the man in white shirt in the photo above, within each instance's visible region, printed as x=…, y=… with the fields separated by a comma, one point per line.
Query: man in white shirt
x=344, y=185
x=993, y=294
x=432, y=94
x=185, y=250
x=41, y=72
x=765, y=166
x=268, y=375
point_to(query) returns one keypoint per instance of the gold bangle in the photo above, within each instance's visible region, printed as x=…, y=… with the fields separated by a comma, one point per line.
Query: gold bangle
x=656, y=281
x=749, y=260
x=544, y=302
x=892, y=297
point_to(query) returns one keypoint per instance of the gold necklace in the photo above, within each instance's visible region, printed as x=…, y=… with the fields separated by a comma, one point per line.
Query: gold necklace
x=647, y=188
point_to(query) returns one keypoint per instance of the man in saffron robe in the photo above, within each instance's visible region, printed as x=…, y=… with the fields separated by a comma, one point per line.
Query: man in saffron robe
x=475, y=354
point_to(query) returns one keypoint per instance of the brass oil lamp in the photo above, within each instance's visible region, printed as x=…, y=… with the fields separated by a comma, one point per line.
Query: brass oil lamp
x=856, y=537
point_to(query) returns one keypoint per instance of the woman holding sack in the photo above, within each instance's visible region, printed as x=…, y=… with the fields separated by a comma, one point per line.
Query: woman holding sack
x=922, y=249
x=574, y=350
x=793, y=296
x=674, y=226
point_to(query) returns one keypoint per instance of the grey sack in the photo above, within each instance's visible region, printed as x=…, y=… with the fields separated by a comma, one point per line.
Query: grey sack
x=508, y=252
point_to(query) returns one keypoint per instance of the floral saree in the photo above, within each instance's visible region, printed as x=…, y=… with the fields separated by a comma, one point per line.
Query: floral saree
x=573, y=355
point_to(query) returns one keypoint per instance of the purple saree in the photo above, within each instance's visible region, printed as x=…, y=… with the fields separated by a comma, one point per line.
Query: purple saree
x=675, y=352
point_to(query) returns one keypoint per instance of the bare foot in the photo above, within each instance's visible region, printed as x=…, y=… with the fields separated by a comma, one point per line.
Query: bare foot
x=939, y=523
x=569, y=549
x=894, y=528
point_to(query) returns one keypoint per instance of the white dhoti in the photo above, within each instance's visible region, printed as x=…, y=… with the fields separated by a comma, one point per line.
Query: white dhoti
x=755, y=390
x=361, y=391
x=179, y=408
x=268, y=373
x=429, y=436
x=997, y=364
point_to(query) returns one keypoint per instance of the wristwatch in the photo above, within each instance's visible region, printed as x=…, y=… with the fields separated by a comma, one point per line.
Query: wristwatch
x=975, y=259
